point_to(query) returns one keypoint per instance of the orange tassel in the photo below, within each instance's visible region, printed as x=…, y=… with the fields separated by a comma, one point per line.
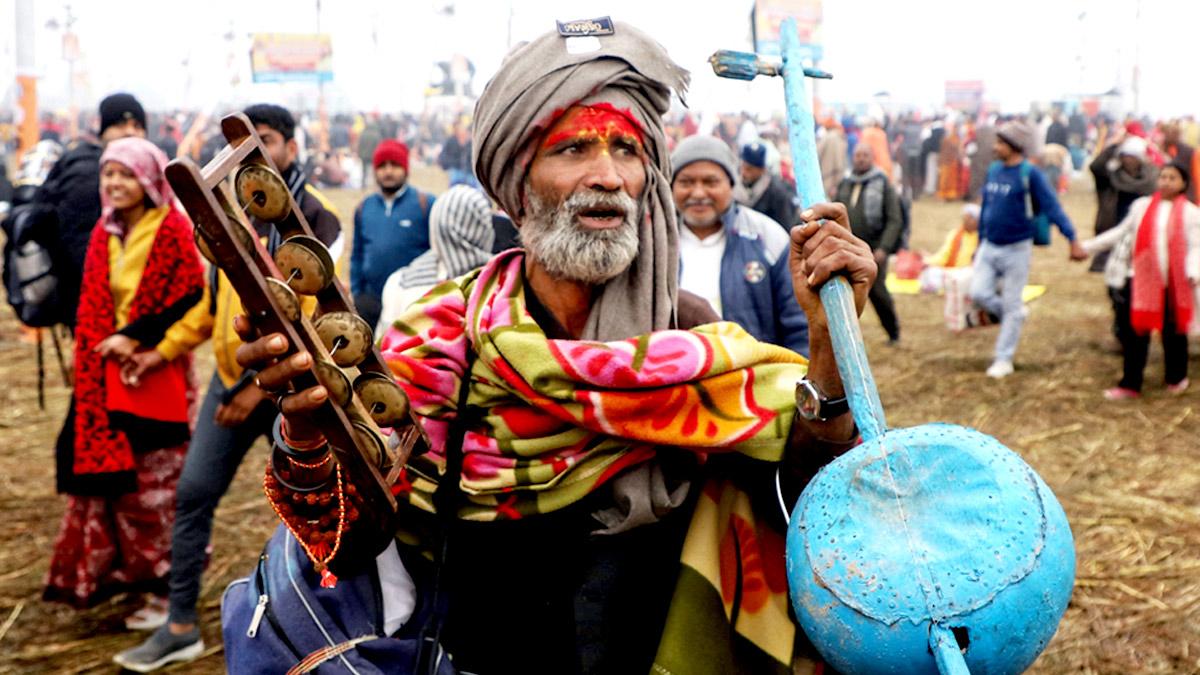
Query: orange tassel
x=327, y=579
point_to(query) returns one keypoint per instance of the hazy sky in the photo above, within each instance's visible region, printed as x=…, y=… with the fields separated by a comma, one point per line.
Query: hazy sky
x=383, y=51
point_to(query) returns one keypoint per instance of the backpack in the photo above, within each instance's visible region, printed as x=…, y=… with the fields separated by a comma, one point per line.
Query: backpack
x=281, y=620
x=30, y=277
x=1041, y=223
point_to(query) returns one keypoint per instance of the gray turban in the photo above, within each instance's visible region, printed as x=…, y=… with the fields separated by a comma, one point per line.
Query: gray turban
x=538, y=82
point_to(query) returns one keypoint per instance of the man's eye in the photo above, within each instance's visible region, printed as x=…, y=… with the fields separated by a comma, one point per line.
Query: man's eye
x=626, y=147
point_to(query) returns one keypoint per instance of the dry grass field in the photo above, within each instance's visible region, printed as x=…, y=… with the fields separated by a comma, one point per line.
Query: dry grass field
x=1127, y=474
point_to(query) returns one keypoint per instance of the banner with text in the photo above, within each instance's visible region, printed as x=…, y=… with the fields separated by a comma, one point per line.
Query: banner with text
x=291, y=57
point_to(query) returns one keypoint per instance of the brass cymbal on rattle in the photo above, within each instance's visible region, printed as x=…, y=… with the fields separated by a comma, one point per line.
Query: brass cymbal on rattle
x=288, y=303
x=371, y=444
x=346, y=335
x=305, y=264
x=335, y=382
x=382, y=397
x=262, y=193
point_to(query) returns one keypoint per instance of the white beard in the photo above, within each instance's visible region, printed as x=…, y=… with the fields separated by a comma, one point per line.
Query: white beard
x=552, y=236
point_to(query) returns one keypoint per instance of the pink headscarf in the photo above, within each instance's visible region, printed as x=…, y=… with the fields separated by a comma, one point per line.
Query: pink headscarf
x=147, y=163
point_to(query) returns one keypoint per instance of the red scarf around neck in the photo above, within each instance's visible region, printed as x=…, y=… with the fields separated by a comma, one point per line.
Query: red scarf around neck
x=1147, y=309
x=172, y=272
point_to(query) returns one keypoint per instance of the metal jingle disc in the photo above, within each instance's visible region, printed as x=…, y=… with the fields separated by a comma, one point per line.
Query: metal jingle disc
x=337, y=383
x=371, y=444
x=346, y=335
x=305, y=263
x=285, y=298
x=262, y=193
x=383, y=398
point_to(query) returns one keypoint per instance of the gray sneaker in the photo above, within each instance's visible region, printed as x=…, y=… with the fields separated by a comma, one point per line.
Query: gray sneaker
x=161, y=648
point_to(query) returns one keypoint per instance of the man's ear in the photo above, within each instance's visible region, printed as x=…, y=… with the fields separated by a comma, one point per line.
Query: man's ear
x=293, y=150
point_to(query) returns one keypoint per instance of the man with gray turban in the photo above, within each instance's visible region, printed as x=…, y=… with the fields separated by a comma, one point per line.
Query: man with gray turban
x=602, y=467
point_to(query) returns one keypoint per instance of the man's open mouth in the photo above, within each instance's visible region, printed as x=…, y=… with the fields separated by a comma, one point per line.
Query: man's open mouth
x=601, y=216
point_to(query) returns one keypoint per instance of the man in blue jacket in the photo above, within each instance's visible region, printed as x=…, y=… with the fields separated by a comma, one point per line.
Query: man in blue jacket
x=391, y=228
x=1015, y=192
x=730, y=255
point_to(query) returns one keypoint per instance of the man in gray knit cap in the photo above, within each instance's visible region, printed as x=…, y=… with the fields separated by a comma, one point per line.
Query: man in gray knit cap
x=1015, y=193
x=752, y=286
x=567, y=552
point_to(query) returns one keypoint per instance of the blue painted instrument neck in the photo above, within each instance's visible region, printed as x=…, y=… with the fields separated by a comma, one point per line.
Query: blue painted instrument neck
x=836, y=295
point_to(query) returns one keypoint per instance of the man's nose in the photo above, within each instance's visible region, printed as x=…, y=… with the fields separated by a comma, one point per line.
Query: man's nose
x=602, y=173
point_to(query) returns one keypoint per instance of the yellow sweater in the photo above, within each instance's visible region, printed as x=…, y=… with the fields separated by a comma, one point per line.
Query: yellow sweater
x=127, y=261
x=200, y=323
x=957, y=250
x=126, y=264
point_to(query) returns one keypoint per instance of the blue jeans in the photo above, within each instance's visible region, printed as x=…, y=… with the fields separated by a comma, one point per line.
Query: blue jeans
x=212, y=460
x=1006, y=265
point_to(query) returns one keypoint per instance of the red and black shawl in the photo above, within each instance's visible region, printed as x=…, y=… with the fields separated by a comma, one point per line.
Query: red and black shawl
x=96, y=452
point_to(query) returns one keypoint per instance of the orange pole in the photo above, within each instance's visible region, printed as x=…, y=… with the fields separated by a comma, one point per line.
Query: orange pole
x=27, y=132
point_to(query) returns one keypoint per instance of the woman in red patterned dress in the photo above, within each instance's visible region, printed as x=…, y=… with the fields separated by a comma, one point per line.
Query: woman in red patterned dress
x=122, y=447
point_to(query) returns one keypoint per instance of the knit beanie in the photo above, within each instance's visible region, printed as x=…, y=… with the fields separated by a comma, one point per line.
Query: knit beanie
x=755, y=154
x=1017, y=134
x=704, y=148
x=118, y=108
x=390, y=150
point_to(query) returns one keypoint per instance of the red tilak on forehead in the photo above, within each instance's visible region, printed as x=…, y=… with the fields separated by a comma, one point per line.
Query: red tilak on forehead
x=602, y=120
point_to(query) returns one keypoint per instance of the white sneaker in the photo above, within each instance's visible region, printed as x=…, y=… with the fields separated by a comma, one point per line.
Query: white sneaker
x=150, y=617
x=1000, y=369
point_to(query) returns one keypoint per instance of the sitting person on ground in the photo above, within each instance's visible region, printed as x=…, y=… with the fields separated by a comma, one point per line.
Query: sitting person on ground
x=957, y=251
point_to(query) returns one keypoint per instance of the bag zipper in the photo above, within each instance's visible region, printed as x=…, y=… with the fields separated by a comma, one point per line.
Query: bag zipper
x=259, y=610
x=263, y=608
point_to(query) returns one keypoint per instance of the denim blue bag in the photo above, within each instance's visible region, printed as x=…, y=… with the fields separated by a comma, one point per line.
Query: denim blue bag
x=280, y=619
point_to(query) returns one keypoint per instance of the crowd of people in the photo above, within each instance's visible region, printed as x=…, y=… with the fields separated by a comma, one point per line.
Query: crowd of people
x=604, y=298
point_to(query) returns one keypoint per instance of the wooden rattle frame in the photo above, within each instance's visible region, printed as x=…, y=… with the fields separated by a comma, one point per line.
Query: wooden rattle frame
x=211, y=203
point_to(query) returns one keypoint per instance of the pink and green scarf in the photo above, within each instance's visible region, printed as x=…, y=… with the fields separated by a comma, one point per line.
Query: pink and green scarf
x=559, y=418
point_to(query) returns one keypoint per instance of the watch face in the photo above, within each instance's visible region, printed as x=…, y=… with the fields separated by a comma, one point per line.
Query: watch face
x=807, y=401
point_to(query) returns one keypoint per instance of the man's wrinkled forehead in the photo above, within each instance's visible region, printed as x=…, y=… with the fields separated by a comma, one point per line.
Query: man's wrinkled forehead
x=602, y=122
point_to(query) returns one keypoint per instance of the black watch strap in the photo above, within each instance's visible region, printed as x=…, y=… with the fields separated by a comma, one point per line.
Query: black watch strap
x=812, y=404
x=834, y=407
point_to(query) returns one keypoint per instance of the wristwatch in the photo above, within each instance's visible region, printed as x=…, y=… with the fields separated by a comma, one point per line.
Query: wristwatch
x=814, y=406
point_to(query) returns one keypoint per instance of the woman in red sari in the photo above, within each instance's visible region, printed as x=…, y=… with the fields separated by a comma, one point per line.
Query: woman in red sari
x=122, y=447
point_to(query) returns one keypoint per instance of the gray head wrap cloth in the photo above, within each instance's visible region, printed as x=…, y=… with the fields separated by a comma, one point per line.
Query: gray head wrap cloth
x=537, y=83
